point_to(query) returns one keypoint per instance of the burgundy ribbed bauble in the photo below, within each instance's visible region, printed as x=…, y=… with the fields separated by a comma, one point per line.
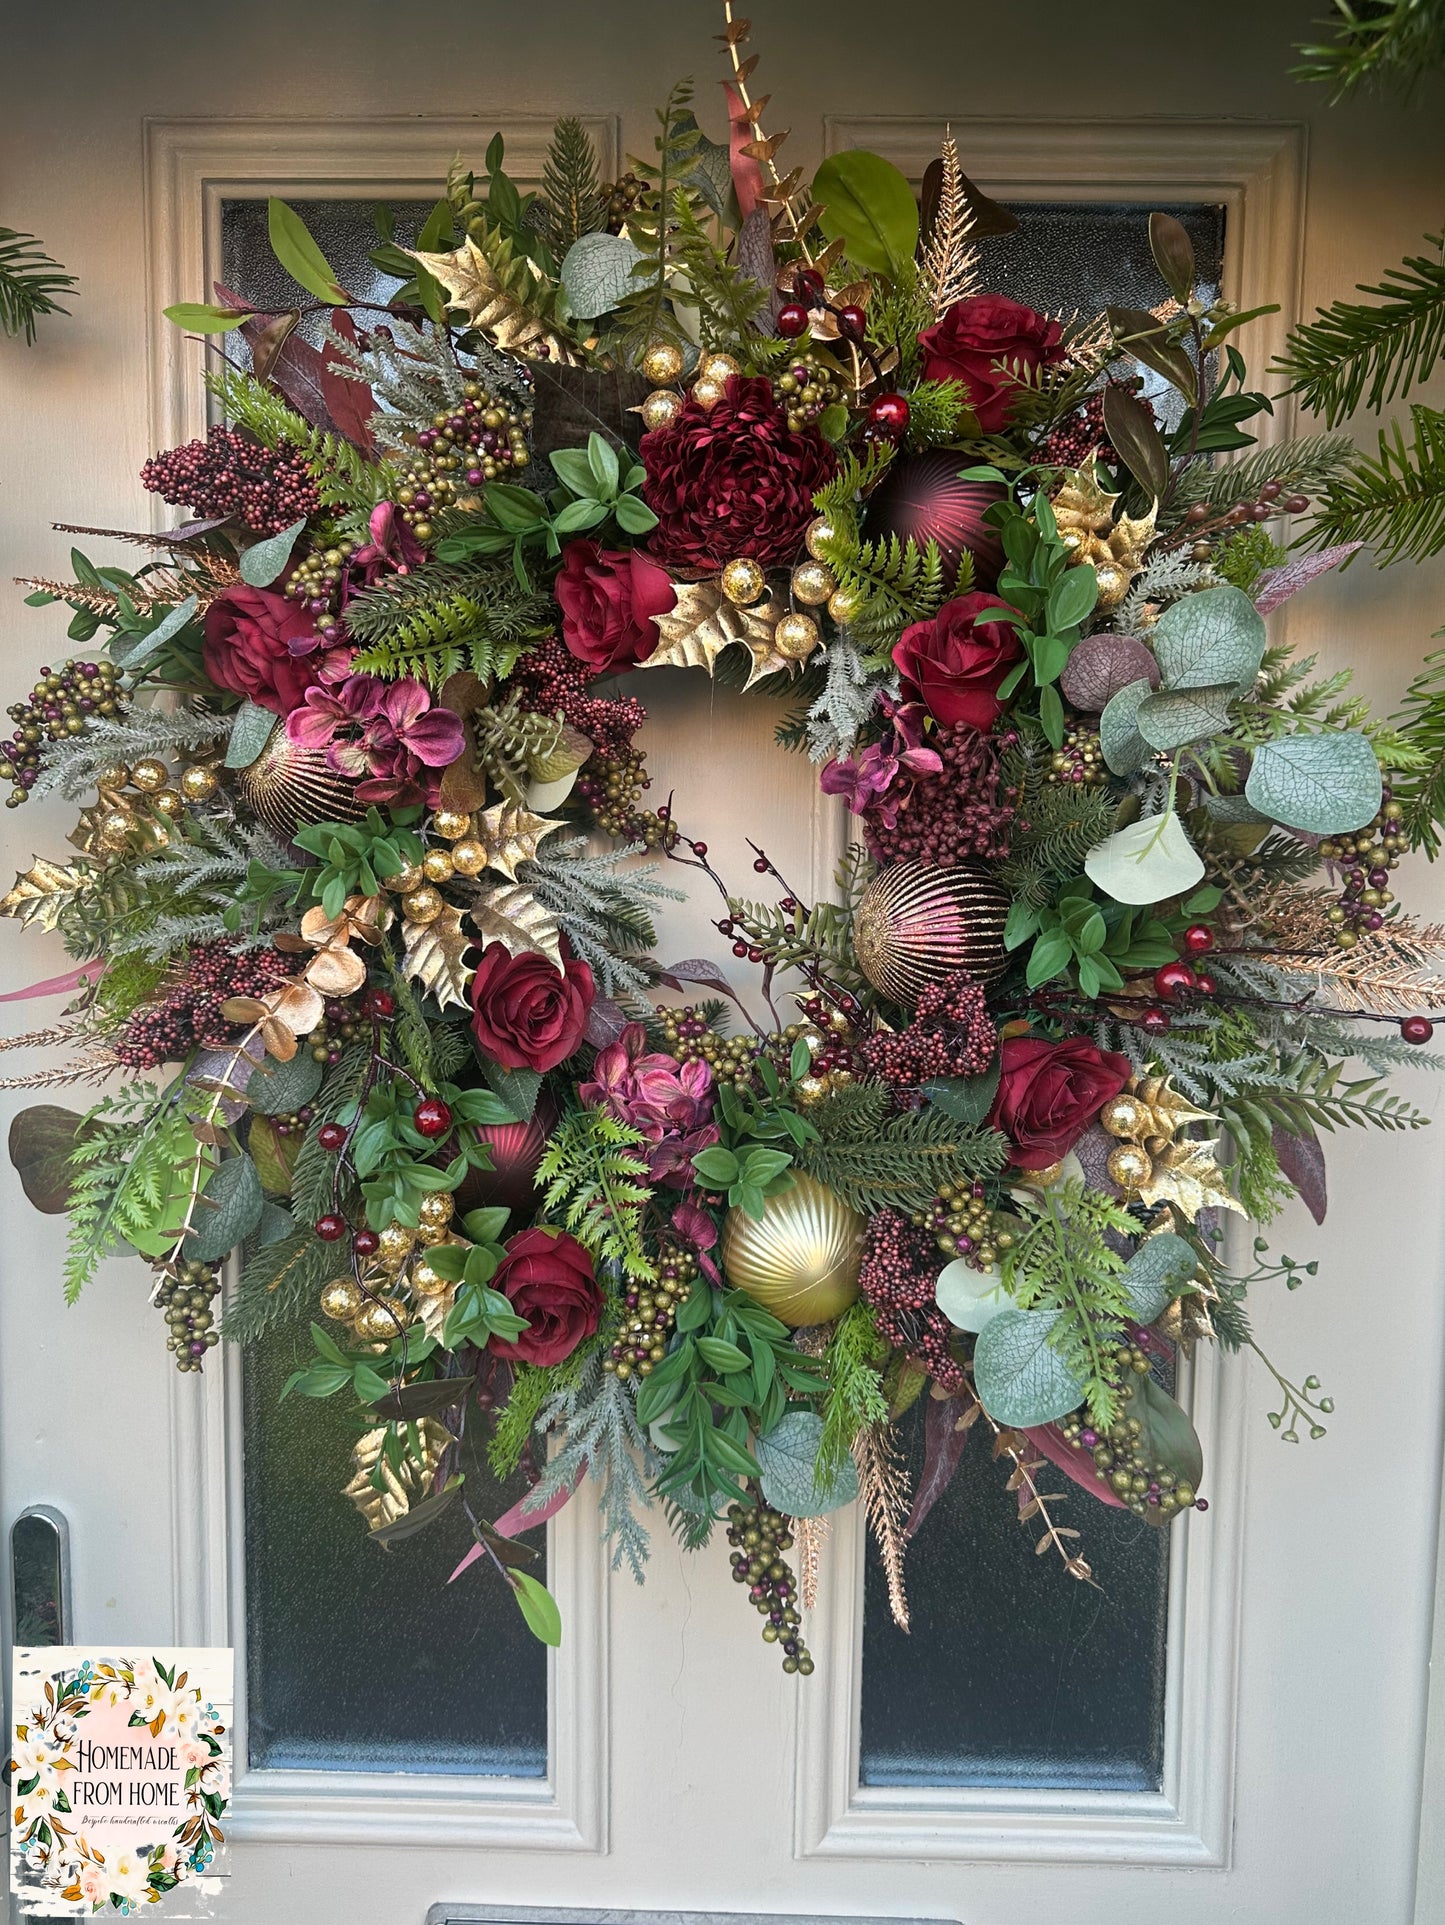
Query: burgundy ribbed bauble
x=922, y=498
x=516, y=1149
x=917, y=924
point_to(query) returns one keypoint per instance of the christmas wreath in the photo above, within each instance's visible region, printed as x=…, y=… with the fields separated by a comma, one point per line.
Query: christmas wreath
x=362, y=889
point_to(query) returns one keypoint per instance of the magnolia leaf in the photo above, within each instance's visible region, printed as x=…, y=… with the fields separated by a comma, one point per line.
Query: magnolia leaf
x=273, y=1154
x=969, y=1298
x=41, y=1139
x=597, y=273
x=1204, y=640
x=514, y=917
x=538, y=1607
x=1171, y=718
x=278, y=1089
x=252, y=731
x=1131, y=427
x=42, y=891
x=512, y=834
x=1100, y=665
x=1299, y=1155
x=788, y=1460
x=1151, y=1274
x=1143, y=335
x=264, y=560
x=1173, y=253
x=228, y=1211
x=868, y=205
x=1146, y=862
x=1167, y=1440
x=434, y=955
x=1020, y=1378
x=1324, y=784
x=1125, y=749
x=294, y=248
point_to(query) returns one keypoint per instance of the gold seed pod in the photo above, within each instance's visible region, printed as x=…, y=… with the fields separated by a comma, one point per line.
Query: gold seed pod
x=1130, y=1166
x=796, y=636
x=469, y=857
x=167, y=802
x=843, y=605
x=423, y=905
x=149, y=774
x=820, y=530
x=662, y=363
x=813, y=583
x=199, y=784
x=743, y=581
x=381, y=1318
x=438, y=865
x=407, y=878
x=451, y=824
x=707, y=393
x=1125, y=1115
x=436, y=1208
x=716, y=366
x=660, y=408
x=341, y=1300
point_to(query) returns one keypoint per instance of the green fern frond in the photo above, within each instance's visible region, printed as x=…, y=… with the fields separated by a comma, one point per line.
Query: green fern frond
x=595, y=1172
x=343, y=475
x=29, y=283
x=1372, y=351
x=1395, y=500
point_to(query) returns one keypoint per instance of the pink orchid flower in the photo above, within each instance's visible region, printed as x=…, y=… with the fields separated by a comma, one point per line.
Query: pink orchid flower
x=385, y=735
x=669, y=1102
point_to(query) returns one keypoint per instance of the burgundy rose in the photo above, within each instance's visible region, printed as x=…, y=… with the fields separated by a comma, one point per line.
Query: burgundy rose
x=954, y=662
x=248, y=647
x=1049, y=1094
x=733, y=480
x=547, y=1278
x=525, y=1015
x=988, y=342
x=608, y=597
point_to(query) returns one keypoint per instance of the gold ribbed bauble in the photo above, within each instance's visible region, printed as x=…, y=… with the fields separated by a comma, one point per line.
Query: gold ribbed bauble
x=802, y=1259
x=917, y=924
x=288, y=786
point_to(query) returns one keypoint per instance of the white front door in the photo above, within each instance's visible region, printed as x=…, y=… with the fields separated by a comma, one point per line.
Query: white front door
x=1232, y=1731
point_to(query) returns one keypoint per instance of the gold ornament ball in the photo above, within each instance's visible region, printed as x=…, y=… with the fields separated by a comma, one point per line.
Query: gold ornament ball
x=1113, y=583
x=844, y=604
x=115, y=775
x=439, y=865
x=428, y=1235
x=381, y=1319
x=408, y=877
x=423, y=905
x=661, y=408
x=168, y=802
x=114, y=831
x=796, y=636
x=716, y=366
x=469, y=857
x=393, y=1246
x=436, y=1208
x=802, y=1259
x=743, y=581
x=1130, y=1166
x=199, y=784
x=1125, y=1115
x=707, y=393
x=341, y=1300
x=148, y=775
x=662, y=363
x=821, y=530
x=425, y=1281
x=918, y=924
x=813, y=583
x=451, y=824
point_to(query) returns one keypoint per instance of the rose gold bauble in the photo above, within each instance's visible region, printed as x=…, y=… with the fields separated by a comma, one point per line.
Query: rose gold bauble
x=922, y=498
x=917, y=924
x=802, y=1259
x=289, y=786
x=515, y=1149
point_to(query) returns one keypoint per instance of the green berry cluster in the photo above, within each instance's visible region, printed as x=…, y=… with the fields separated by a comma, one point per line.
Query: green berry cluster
x=185, y=1296
x=760, y=1534
x=1120, y=1453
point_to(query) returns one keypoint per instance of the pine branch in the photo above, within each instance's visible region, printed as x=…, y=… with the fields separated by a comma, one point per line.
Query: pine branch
x=1304, y=466
x=1394, y=500
x=1376, y=41
x=571, y=187
x=280, y=1281
x=853, y=1361
x=904, y=1164
x=29, y=283
x=599, y=1432
x=1421, y=794
x=1373, y=351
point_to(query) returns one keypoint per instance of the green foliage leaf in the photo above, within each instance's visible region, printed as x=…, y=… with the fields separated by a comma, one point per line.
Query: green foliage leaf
x=1171, y=717
x=788, y=1458
x=203, y=319
x=276, y=1089
x=597, y=273
x=1021, y=1378
x=1146, y=862
x=869, y=205
x=294, y=248
x=1324, y=784
x=538, y=1607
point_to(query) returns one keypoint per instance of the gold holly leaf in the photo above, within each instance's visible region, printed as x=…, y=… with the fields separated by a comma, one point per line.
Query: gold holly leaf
x=383, y=1491
x=41, y=892
x=514, y=918
x=434, y=955
x=1187, y=1176
x=511, y=834
x=494, y=299
x=703, y=622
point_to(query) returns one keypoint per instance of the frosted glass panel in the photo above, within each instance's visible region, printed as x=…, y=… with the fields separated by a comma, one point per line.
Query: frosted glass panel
x=345, y=233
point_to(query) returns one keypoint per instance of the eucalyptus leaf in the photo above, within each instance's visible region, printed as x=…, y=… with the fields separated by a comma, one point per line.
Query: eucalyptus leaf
x=969, y=1298
x=276, y=1088
x=788, y=1460
x=1152, y=1273
x=250, y=733
x=1322, y=784
x=145, y=646
x=1146, y=862
x=1204, y=640
x=597, y=273
x=264, y=560
x=1174, y=716
x=229, y=1210
x=1021, y=1379
x=1125, y=749
x=868, y=205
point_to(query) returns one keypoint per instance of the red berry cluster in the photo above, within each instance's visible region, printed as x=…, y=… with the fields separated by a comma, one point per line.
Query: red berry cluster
x=1080, y=435
x=188, y=1012
x=552, y=682
x=265, y=489
x=959, y=815
x=952, y=1034
x=900, y=1270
